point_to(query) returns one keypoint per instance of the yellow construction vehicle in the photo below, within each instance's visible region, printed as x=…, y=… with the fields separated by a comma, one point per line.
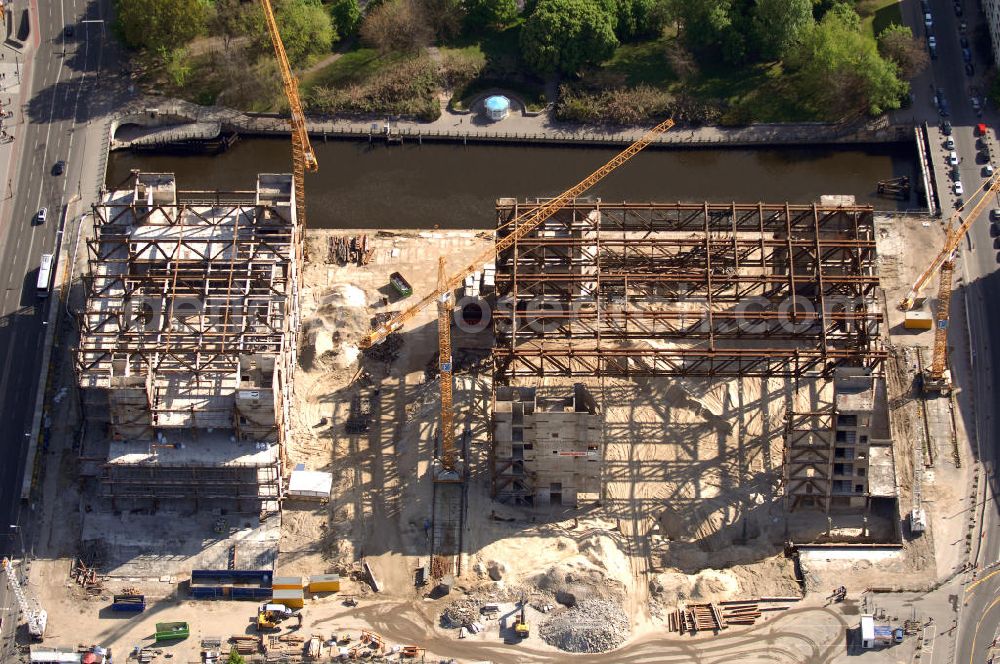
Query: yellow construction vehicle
x=270, y=615
x=521, y=627
x=937, y=377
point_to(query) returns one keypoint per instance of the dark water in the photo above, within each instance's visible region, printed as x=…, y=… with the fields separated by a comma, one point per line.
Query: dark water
x=455, y=186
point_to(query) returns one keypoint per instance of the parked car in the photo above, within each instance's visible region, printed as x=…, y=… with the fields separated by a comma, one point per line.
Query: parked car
x=988, y=170
x=995, y=214
x=925, y=5
x=946, y=128
x=967, y=55
x=943, y=110
x=949, y=143
x=958, y=188
x=958, y=9
x=928, y=21
x=970, y=70
x=952, y=158
x=963, y=27
x=932, y=42
x=963, y=42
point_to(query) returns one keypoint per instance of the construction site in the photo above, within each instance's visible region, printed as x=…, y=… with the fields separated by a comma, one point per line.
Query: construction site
x=598, y=424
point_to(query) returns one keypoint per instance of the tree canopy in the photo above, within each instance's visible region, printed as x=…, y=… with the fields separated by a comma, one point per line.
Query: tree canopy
x=835, y=66
x=565, y=35
x=780, y=24
x=489, y=14
x=897, y=43
x=396, y=25
x=160, y=24
x=346, y=17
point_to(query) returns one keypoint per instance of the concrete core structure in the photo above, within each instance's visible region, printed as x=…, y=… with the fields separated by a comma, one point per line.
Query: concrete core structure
x=546, y=451
x=840, y=454
x=188, y=340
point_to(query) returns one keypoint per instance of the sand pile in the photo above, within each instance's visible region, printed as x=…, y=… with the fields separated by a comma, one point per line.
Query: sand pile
x=339, y=320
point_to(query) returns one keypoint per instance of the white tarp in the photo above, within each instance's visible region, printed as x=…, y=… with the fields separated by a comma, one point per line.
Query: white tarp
x=310, y=484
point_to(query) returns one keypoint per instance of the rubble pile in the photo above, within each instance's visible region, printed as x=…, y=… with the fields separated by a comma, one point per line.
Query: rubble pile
x=591, y=625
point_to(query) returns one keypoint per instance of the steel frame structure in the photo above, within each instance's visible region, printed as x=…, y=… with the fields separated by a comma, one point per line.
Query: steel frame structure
x=648, y=289
x=177, y=294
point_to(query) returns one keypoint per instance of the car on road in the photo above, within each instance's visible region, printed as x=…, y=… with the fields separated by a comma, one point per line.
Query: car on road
x=41, y=215
x=952, y=158
x=970, y=69
x=963, y=27
x=68, y=31
x=946, y=128
x=967, y=55
x=975, y=103
x=928, y=20
x=949, y=143
x=958, y=188
x=988, y=170
x=59, y=168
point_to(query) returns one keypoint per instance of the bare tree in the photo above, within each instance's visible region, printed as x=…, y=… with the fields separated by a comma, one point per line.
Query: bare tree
x=396, y=25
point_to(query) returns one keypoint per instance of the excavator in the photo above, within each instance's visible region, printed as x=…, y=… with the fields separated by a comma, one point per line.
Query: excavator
x=937, y=377
x=521, y=627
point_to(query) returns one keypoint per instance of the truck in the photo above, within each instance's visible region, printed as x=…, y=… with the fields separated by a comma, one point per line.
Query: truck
x=400, y=285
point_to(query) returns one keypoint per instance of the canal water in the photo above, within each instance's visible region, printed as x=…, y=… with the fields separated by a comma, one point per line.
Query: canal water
x=455, y=186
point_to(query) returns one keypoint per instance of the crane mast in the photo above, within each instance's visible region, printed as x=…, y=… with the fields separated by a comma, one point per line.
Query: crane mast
x=303, y=157
x=522, y=225
x=37, y=619
x=444, y=360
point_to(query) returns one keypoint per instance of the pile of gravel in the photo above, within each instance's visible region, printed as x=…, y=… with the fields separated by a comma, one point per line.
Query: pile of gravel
x=592, y=625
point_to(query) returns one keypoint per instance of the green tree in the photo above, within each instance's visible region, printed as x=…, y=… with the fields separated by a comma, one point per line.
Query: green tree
x=235, y=658
x=346, y=17
x=160, y=24
x=443, y=17
x=637, y=18
x=703, y=23
x=838, y=71
x=565, y=35
x=305, y=27
x=780, y=24
x=489, y=14
x=897, y=43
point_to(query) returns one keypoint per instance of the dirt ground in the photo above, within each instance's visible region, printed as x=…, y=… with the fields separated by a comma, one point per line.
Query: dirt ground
x=690, y=510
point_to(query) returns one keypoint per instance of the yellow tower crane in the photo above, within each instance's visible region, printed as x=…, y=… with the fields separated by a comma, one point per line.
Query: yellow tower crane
x=937, y=378
x=521, y=226
x=444, y=362
x=303, y=157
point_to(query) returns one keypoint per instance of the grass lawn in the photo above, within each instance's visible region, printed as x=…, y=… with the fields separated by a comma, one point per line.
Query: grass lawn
x=640, y=63
x=352, y=67
x=877, y=15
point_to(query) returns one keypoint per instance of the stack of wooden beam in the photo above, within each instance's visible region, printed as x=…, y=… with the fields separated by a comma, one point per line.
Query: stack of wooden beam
x=245, y=644
x=696, y=618
x=745, y=613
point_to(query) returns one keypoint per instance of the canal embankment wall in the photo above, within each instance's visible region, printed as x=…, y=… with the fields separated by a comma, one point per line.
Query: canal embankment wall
x=167, y=122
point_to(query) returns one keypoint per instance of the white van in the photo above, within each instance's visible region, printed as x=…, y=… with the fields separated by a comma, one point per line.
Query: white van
x=45, y=269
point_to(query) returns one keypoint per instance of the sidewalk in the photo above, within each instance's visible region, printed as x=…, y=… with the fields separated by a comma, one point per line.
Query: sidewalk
x=517, y=128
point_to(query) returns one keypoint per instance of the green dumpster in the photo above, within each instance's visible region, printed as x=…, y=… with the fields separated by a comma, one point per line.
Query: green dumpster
x=172, y=631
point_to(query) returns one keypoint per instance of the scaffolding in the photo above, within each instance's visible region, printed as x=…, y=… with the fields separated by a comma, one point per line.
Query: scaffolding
x=672, y=289
x=191, y=318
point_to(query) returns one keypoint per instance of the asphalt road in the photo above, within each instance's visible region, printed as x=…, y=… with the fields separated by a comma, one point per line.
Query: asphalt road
x=976, y=287
x=63, y=101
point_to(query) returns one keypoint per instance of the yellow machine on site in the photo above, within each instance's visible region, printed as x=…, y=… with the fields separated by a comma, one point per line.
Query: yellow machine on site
x=521, y=627
x=269, y=615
